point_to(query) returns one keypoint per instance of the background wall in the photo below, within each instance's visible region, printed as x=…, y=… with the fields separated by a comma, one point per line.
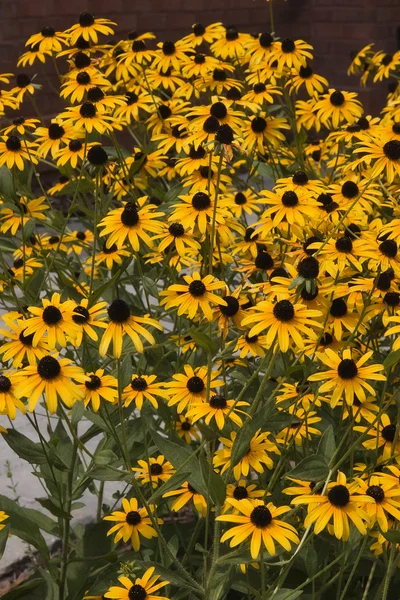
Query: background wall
x=334, y=27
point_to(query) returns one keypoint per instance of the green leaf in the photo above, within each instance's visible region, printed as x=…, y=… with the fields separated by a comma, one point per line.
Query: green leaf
x=172, y=193
x=311, y=468
x=264, y=170
x=43, y=521
x=214, y=481
x=4, y=533
x=53, y=508
x=105, y=457
x=204, y=341
x=327, y=444
x=107, y=474
x=167, y=574
x=311, y=560
x=23, y=525
x=6, y=182
x=392, y=535
x=391, y=360
x=182, y=458
x=285, y=594
x=77, y=412
x=24, y=447
x=125, y=374
x=21, y=591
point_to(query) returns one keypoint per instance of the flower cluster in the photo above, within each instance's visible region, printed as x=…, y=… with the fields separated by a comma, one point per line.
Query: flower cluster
x=212, y=280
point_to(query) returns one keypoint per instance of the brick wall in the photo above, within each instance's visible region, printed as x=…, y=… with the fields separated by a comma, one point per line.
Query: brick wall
x=334, y=27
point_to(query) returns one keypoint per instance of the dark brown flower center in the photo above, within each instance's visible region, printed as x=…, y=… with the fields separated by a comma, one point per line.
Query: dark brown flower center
x=119, y=311
x=48, y=368
x=339, y=496
x=347, y=369
x=284, y=311
x=261, y=516
x=195, y=385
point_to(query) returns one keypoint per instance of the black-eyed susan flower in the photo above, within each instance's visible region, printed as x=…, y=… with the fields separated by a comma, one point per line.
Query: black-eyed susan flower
x=141, y=388
x=171, y=55
x=191, y=386
x=75, y=88
x=12, y=220
x=48, y=39
x=33, y=53
x=88, y=29
x=122, y=323
x=230, y=45
x=24, y=87
x=290, y=53
x=20, y=126
x=132, y=223
x=285, y=321
x=134, y=103
x=218, y=408
x=15, y=152
x=259, y=521
x=197, y=209
x=20, y=347
x=187, y=493
x=98, y=387
x=263, y=130
x=305, y=76
x=86, y=318
x=255, y=458
x=196, y=293
x=301, y=427
x=382, y=156
x=201, y=33
x=75, y=151
x=175, y=236
x=385, y=64
x=51, y=138
x=53, y=322
x=337, y=107
x=8, y=401
x=155, y=471
x=111, y=255
x=53, y=377
x=241, y=490
x=346, y=376
x=384, y=437
x=186, y=430
x=254, y=345
x=340, y=503
x=387, y=500
x=89, y=117
x=131, y=523
x=142, y=588
x=288, y=206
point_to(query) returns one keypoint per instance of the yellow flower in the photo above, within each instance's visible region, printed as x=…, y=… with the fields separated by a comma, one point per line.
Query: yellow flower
x=99, y=386
x=52, y=377
x=132, y=223
x=132, y=522
x=143, y=588
x=141, y=388
x=187, y=493
x=155, y=471
x=258, y=520
x=340, y=503
x=347, y=376
x=123, y=323
x=196, y=293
